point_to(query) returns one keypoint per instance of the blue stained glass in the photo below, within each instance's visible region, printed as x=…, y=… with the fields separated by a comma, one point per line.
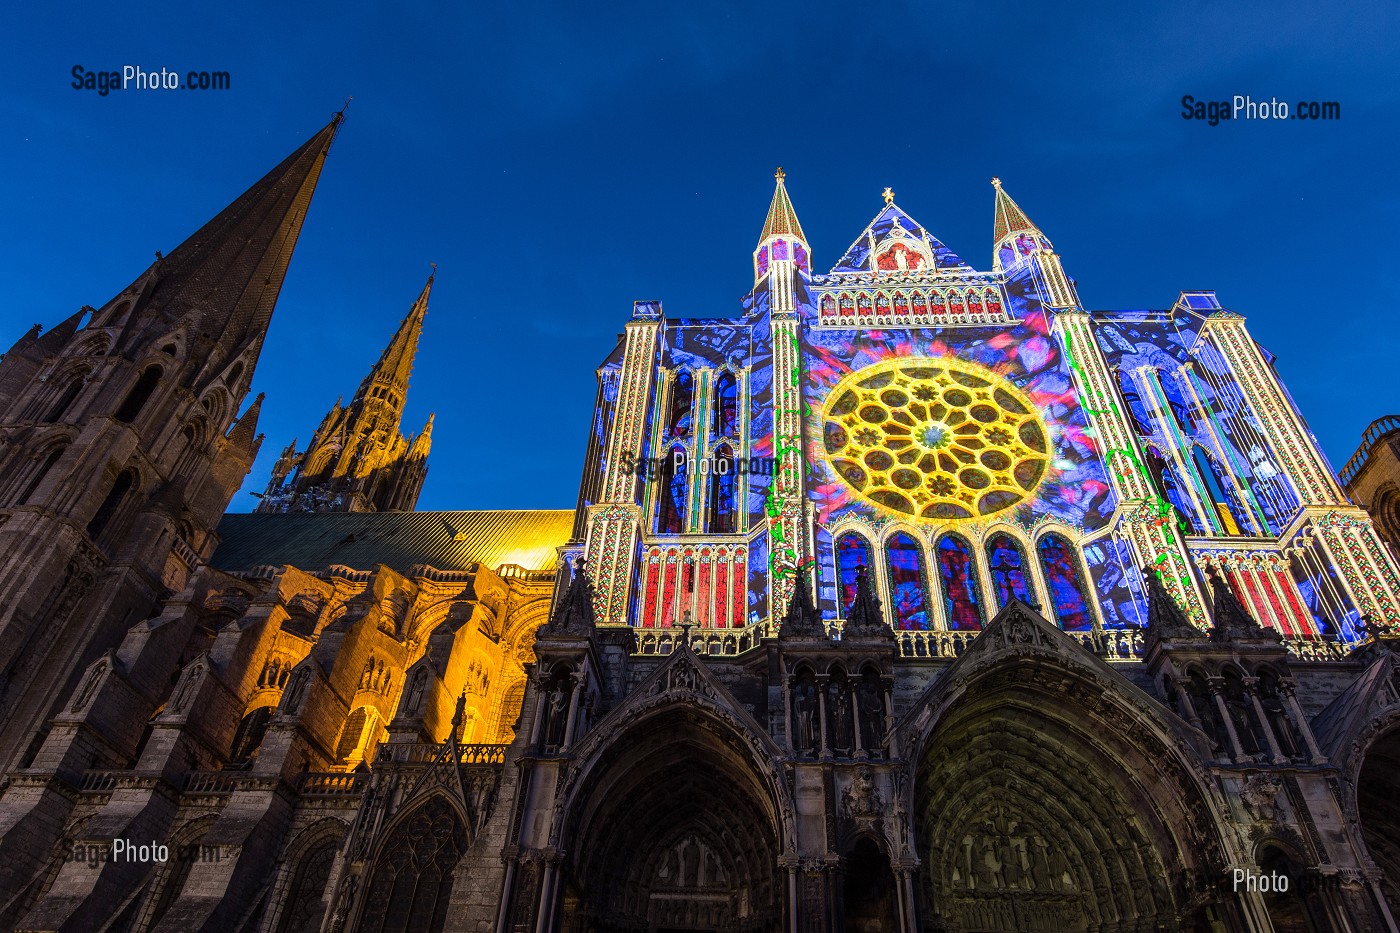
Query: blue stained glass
x=962, y=600
x=1008, y=567
x=670, y=513
x=907, y=592
x=852, y=553
x=1065, y=583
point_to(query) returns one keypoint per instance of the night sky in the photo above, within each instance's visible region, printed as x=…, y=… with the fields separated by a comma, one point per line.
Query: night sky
x=560, y=161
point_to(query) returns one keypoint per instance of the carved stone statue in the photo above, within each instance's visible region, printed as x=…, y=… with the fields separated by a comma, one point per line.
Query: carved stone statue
x=804, y=707
x=872, y=714
x=838, y=711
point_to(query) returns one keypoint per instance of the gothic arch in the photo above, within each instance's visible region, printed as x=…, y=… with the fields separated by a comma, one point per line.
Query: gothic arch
x=1045, y=796
x=1370, y=765
x=676, y=815
x=300, y=884
x=410, y=884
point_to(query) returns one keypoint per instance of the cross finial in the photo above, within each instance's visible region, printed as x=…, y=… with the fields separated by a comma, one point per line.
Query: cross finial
x=889, y=195
x=686, y=625
x=780, y=174
x=996, y=182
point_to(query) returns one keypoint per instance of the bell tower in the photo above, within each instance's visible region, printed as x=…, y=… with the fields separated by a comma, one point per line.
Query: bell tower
x=123, y=443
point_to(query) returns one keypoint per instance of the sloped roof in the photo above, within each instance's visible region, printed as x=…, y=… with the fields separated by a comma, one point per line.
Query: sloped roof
x=399, y=540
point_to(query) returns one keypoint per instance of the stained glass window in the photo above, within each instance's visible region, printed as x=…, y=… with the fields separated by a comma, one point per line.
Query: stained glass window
x=852, y=553
x=671, y=493
x=682, y=395
x=412, y=881
x=722, y=510
x=962, y=599
x=908, y=594
x=1066, y=585
x=727, y=406
x=1010, y=579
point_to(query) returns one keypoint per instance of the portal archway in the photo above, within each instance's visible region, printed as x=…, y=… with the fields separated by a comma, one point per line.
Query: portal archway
x=1042, y=806
x=675, y=828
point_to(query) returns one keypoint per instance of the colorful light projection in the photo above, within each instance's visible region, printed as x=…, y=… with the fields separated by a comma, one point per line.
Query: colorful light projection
x=908, y=583
x=852, y=554
x=1063, y=577
x=934, y=440
x=962, y=598
x=1008, y=567
x=1020, y=366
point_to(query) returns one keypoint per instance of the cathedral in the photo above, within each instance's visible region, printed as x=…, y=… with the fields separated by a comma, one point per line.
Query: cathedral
x=913, y=596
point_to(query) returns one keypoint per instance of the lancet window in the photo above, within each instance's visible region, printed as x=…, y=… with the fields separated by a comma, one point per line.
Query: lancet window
x=962, y=597
x=1010, y=573
x=852, y=553
x=908, y=584
x=1066, y=584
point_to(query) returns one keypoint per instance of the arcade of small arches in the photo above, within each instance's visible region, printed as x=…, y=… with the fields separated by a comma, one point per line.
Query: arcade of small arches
x=1249, y=712
x=954, y=595
x=950, y=302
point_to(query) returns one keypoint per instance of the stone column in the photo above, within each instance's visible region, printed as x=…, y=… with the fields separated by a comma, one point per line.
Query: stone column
x=1301, y=721
x=1184, y=698
x=1217, y=690
x=1251, y=686
x=535, y=729
x=888, y=684
x=855, y=722
x=572, y=718
x=789, y=685
x=825, y=751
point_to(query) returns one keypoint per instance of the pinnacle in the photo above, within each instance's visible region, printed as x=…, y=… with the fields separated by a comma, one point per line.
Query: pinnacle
x=782, y=218
x=1009, y=219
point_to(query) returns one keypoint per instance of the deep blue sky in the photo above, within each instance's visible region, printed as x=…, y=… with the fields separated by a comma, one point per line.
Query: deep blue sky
x=560, y=160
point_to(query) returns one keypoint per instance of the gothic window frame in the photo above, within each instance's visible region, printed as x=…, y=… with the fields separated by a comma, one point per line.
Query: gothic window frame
x=1083, y=583
x=869, y=549
x=973, y=579
x=917, y=548
x=393, y=846
x=39, y=468
x=1027, y=567
x=723, y=426
x=249, y=736
x=139, y=396
x=1212, y=482
x=126, y=482
x=168, y=879
x=679, y=406
x=723, y=487
x=328, y=832
x=668, y=479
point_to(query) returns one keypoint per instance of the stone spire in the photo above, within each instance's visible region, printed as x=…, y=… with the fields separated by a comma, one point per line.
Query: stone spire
x=223, y=281
x=358, y=460
x=244, y=434
x=1165, y=618
x=396, y=362
x=1009, y=224
x=803, y=619
x=575, y=613
x=866, y=617
x=1232, y=620
x=782, y=219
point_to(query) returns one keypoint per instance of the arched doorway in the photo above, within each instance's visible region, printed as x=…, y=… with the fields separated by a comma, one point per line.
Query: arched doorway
x=1035, y=815
x=868, y=890
x=674, y=830
x=1378, y=805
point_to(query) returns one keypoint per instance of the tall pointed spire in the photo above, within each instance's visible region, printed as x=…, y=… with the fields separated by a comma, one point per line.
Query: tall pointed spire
x=226, y=277
x=396, y=362
x=1010, y=224
x=782, y=219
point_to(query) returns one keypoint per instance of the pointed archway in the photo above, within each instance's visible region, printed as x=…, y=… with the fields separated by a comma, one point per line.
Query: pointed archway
x=1048, y=799
x=675, y=822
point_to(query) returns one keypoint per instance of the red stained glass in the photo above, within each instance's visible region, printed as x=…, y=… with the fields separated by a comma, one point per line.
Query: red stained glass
x=901, y=303
x=828, y=305
x=939, y=306
x=974, y=303
x=721, y=592
x=668, y=590
x=737, y=592
x=649, y=600
x=848, y=307
x=955, y=304
x=920, y=303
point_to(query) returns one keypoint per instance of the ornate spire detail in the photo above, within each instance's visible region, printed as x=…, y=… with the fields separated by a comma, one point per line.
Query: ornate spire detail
x=396, y=362
x=888, y=195
x=866, y=617
x=1164, y=616
x=1232, y=621
x=803, y=619
x=1009, y=221
x=782, y=219
x=358, y=460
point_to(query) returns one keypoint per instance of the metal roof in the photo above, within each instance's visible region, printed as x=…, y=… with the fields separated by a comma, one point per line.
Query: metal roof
x=398, y=540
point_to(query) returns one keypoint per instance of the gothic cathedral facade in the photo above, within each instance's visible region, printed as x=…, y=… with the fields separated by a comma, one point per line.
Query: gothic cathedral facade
x=911, y=597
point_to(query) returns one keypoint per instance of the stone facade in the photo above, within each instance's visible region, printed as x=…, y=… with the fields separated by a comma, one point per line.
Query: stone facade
x=1372, y=477
x=1086, y=680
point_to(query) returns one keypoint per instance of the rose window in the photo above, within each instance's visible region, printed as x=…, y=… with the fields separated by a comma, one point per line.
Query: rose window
x=935, y=440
